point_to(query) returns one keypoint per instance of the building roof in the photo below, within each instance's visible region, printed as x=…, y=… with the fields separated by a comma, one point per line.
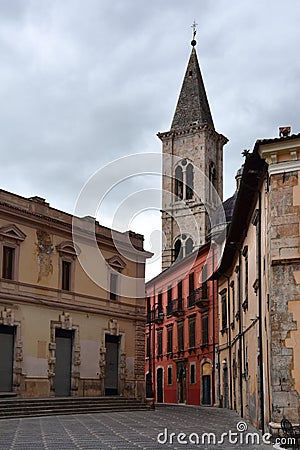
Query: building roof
x=252, y=178
x=274, y=140
x=192, y=107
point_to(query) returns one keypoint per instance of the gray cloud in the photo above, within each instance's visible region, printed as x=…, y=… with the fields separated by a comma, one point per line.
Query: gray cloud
x=83, y=83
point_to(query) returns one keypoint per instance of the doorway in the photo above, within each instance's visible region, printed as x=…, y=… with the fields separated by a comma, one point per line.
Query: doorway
x=63, y=362
x=206, y=384
x=7, y=338
x=181, y=382
x=159, y=384
x=112, y=365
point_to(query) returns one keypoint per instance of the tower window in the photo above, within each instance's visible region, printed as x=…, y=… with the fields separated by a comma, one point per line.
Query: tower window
x=178, y=249
x=189, y=245
x=189, y=182
x=184, y=181
x=179, y=183
x=190, y=73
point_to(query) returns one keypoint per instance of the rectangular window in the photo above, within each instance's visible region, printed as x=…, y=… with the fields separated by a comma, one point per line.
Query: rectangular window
x=179, y=295
x=147, y=346
x=159, y=343
x=148, y=311
x=192, y=333
x=8, y=263
x=191, y=297
x=205, y=329
x=170, y=339
x=66, y=275
x=180, y=337
x=113, y=286
x=169, y=304
x=224, y=310
x=192, y=373
x=204, y=282
x=159, y=303
x=233, y=298
x=170, y=375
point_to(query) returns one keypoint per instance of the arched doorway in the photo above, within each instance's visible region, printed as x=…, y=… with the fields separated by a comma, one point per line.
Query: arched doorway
x=206, y=384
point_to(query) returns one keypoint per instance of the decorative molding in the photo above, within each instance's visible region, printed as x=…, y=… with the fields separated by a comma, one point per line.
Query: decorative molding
x=12, y=232
x=286, y=166
x=68, y=248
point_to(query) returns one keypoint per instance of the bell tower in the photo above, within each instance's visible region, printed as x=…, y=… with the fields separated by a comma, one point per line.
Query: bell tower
x=192, y=163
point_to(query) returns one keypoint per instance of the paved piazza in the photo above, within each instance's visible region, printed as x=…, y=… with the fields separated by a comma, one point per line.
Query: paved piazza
x=126, y=430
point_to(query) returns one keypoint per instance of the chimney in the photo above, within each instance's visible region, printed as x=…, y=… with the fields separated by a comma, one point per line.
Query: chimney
x=284, y=131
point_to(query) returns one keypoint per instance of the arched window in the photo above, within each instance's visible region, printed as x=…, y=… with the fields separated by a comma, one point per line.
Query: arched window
x=189, y=245
x=178, y=249
x=179, y=182
x=189, y=182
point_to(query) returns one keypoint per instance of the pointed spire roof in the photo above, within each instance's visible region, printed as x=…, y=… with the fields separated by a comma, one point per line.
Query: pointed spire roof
x=192, y=107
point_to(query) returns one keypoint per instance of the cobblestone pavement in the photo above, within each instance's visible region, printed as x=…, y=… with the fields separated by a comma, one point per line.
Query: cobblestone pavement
x=126, y=430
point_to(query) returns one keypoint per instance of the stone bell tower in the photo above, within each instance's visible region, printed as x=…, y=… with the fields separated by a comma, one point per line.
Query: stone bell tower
x=192, y=168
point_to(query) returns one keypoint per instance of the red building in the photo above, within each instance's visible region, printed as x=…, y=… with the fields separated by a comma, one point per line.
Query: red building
x=181, y=331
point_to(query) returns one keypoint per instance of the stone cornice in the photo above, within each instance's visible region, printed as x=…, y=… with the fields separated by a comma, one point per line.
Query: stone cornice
x=286, y=166
x=166, y=135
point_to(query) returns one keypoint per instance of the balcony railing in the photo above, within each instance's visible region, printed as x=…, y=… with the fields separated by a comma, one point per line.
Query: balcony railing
x=177, y=307
x=158, y=315
x=200, y=297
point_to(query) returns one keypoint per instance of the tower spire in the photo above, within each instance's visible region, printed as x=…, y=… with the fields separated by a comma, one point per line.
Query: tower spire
x=192, y=107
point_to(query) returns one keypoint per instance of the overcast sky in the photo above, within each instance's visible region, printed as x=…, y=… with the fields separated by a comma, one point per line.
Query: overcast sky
x=85, y=82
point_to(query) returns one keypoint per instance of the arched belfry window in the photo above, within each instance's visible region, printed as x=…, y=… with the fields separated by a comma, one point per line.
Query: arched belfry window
x=189, y=182
x=178, y=249
x=183, y=246
x=179, y=182
x=189, y=246
x=212, y=181
x=184, y=181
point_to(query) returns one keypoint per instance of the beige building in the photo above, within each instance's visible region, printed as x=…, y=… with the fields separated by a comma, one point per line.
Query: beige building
x=259, y=288
x=63, y=331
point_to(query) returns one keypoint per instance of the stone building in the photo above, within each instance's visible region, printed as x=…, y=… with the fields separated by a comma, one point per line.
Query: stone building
x=192, y=169
x=63, y=333
x=259, y=288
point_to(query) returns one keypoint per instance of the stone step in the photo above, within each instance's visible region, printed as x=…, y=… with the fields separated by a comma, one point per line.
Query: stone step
x=84, y=405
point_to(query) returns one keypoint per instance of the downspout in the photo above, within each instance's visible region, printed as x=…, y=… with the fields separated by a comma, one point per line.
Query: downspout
x=213, y=330
x=260, y=324
x=240, y=339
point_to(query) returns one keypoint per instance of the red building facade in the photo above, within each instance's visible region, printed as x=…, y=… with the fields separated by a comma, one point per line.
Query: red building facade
x=181, y=331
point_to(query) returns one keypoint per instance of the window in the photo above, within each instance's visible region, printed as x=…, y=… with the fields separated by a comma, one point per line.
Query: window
x=204, y=282
x=147, y=346
x=148, y=310
x=179, y=295
x=170, y=339
x=113, y=286
x=179, y=183
x=159, y=343
x=169, y=304
x=178, y=249
x=205, y=329
x=189, y=246
x=212, y=182
x=192, y=332
x=189, y=182
x=180, y=336
x=223, y=310
x=66, y=275
x=183, y=246
x=11, y=238
x=159, y=303
x=8, y=262
x=191, y=297
x=192, y=373
x=170, y=375
x=245, y=254
x=233, y=298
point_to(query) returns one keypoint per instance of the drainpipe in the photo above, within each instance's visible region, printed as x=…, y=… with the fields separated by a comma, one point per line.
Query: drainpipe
x=240, y=338
x=213, y=329
x=260, y=325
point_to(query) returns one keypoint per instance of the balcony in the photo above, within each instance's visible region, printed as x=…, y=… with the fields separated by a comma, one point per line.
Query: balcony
x=158, y=315
x=177, y=307
x=201, y=297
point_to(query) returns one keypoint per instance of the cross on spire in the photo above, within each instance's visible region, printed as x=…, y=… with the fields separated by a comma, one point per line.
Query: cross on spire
x=194, y=26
